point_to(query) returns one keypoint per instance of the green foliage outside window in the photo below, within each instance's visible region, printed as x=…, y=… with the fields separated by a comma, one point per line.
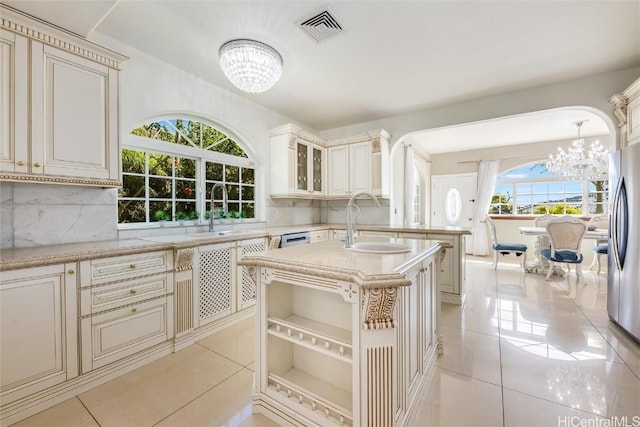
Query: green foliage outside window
x=559, y=209
x=162, y=187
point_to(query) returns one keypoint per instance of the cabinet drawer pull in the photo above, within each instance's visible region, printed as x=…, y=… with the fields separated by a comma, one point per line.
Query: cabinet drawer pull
x=36, y=164
x=71, y=271
x=132, y=291
x=20, y=163
x=132, y=266
x=133, y=310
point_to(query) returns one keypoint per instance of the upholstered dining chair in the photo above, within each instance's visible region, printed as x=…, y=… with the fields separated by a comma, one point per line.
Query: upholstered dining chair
x=565, y=235
x=598, y=251
x=543, y=220
x=503, y=248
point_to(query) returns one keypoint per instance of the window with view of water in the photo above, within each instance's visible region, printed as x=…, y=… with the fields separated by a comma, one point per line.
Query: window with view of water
x=170, y=166
x=533, y=190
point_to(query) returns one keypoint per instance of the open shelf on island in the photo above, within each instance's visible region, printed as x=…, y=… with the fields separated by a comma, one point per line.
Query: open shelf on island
x=318, y=336
x=301, y=368
x=314, y=394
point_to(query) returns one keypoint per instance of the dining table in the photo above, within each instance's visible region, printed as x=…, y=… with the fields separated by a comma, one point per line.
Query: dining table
x=541, y=265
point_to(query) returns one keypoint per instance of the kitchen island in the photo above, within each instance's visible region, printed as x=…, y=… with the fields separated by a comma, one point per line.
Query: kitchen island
x=345, y=337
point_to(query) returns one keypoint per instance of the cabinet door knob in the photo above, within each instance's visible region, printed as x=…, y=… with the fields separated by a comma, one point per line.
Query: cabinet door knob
x=132, y=291
x=20, y=163
x=132, y=266
x=133, y=310
x=36, y=164
x=71, y=271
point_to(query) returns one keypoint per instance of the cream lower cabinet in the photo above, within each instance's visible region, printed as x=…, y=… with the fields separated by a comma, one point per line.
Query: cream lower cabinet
x=333, y=353
x=214, y=290
x=416, y=336
x=38, y=321
x=245, y=287
x=309, y=345
x=222, y=287
x=126, y=305
x=452, y=266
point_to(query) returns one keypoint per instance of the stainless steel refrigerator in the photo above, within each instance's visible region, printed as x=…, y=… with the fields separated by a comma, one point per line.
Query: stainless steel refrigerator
x=623, y=298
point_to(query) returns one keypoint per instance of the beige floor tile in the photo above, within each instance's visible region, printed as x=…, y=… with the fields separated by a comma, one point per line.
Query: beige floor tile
x=69, y=413
x=227, y=404
x=472, y=354
x=636, y=370
x=595, y=386
x=252, y=366
x=147, y=395
x=622, y=343
x=480, y=317
x=236, y=342
x=458, y=400
x=521, y=410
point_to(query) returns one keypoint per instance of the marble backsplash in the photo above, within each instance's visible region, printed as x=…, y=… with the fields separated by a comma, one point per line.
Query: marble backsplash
x=37, y=214
x=284, y=212
x=335, y=212
x=42, y=214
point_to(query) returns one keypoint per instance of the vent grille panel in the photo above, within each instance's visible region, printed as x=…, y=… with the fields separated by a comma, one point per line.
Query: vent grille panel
x=321, y=26
x=215, y=283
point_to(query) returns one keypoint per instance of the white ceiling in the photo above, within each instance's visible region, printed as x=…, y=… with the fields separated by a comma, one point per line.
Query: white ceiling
x=393, y=57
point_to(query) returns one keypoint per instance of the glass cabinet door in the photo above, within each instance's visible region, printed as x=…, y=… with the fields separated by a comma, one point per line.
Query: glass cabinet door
x=302, y=168
x=317, y=170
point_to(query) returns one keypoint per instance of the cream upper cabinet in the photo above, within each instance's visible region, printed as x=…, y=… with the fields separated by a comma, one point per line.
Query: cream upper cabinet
x=298, y=163
x=633, y=113
x=13, y=105
x=627, y=112
x=359, y=166
x=59, y=106
x=350, y=169
x=38, y=321
x=307, y=166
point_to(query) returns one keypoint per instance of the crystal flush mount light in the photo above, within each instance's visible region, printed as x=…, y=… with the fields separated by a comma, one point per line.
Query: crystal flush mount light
x=579, y=163
x=251, y=66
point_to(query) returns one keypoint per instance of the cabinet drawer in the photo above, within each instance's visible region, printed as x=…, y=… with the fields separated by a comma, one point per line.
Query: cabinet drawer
x=317, y=236
x=124, y=267
x=107, y=297
x=112, y=335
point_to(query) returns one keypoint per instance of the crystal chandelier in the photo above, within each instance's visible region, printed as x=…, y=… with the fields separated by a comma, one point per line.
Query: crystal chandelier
x=251, y=66
x=578, y=163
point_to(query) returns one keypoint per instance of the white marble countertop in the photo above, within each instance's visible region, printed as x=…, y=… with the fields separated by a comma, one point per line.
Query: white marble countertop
x=329, y=258
x=11, y=259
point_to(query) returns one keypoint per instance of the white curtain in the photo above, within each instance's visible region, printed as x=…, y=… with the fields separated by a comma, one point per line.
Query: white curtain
x=409, y=185
x=487, y=175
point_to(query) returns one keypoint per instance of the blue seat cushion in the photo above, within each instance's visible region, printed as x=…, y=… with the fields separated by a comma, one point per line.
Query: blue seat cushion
x=601, y=249
x=563, y=256
x=512, y=247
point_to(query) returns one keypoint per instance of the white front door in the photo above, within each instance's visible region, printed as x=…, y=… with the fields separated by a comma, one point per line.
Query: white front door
x=453, y=201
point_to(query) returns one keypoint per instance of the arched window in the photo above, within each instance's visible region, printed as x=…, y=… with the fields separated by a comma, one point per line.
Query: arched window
x=169, y=167
x=532, y=190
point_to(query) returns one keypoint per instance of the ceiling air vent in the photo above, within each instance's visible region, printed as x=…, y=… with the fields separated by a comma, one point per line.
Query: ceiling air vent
x=321, y=26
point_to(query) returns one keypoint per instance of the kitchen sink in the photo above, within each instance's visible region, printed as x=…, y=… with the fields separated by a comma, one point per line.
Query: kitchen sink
x=379, y=247
x=223, y=233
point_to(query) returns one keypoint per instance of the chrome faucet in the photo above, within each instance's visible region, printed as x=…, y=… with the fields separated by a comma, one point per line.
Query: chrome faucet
x=225, y=204
x=351, y=229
